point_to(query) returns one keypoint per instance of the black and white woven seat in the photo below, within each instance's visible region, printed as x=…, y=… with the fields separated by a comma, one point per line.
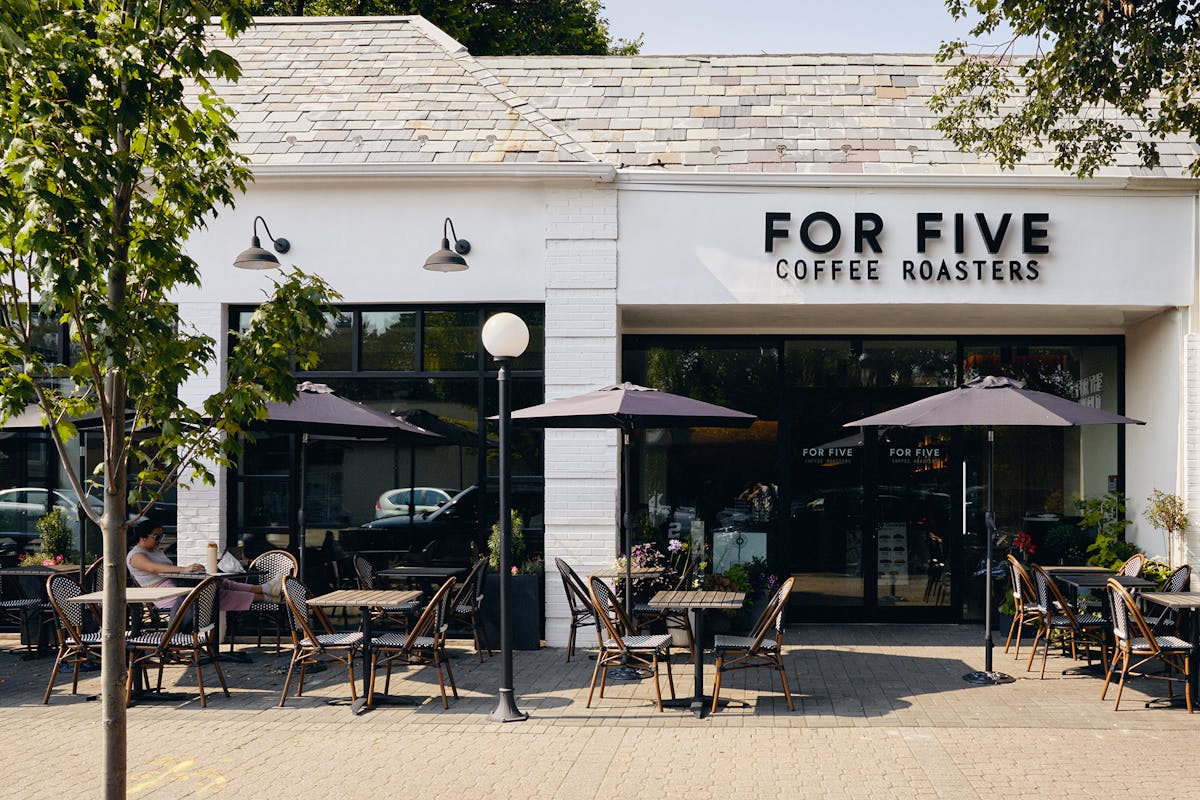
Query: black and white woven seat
x=186, y=640
x=466, y=606
x=22, y=611
x=617, y=649
x=310, y=647
x=1057, y=620
x=578, y=602
x=341, y=639
x=1135, y=640
x=75, y=647
x=762, y=648
x=423, y=646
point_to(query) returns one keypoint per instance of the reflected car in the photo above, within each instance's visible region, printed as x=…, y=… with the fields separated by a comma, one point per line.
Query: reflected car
x=403, y=502
x=452, y=533
x=22, y=507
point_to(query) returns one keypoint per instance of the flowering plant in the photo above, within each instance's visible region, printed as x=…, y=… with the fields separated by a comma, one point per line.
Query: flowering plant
x=649, y=557
x=55, y=535
x=1024, y=543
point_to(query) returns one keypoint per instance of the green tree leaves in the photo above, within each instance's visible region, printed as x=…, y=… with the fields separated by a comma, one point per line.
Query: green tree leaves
x=1103, y=79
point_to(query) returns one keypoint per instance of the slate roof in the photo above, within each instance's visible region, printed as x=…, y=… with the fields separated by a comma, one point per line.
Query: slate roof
x=398, y=91
x=857, y=114
x=378, y=90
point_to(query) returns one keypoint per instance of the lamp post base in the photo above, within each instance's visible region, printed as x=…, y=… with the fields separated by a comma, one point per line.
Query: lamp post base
x=506, y=709
x=988, y=678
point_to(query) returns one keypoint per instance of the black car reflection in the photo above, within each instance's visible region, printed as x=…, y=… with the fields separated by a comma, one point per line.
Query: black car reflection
x=454, y=533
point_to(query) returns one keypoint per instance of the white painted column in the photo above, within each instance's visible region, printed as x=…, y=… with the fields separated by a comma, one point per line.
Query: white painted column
x=202, y=508
x=582, y=353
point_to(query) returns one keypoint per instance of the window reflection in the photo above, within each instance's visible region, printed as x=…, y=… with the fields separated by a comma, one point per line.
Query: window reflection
x=389, y=340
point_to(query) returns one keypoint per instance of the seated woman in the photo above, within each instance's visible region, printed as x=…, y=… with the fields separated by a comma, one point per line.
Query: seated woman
x=146, y=563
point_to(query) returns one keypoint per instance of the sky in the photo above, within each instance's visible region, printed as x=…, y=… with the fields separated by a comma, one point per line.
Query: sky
x=751, y=27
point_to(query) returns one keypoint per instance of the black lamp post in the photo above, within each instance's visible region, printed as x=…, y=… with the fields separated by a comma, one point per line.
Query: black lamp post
x=505, y=336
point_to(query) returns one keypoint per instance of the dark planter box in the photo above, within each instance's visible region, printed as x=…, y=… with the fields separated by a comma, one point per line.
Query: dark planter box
x=525, y=594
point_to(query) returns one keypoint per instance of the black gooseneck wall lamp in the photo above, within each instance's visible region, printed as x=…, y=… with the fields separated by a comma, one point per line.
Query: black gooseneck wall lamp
x=255, y=257
x=445, y=259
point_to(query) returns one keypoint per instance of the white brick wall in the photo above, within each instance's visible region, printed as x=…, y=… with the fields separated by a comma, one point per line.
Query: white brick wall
x=1191, y=457
x=202, y=508
x=581, y=354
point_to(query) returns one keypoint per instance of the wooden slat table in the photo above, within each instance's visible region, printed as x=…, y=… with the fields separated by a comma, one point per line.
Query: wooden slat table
x=619, y=572
x=137, y=594
x=365, y=600
x=696, y=602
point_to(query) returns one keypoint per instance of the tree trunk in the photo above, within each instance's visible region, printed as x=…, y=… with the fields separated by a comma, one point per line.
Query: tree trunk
x=113, y=666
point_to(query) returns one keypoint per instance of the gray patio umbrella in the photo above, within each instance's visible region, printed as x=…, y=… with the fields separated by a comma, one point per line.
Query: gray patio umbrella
x=991, y=401
x=318, y=411
x=629, y=407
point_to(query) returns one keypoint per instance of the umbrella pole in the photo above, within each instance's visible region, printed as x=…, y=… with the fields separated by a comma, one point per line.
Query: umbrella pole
x=300, y=511
x=988, y=677
x=627, y=521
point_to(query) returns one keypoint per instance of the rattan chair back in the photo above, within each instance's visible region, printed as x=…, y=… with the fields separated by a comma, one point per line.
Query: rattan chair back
x=577, y=594
x=1022, y=585
x=1051, y=598
x=1178, y=580
x=196, y=614
x=364, y=570
x=608, y=611
x=275, y=564
x=1132, y=568
x=771, y=618
x=61, y=590
x=93, y=576
x=433, y=620
x=301, y=615
x=470, y=593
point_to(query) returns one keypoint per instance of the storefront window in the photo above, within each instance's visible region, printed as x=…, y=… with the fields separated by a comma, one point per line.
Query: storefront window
x=869, y=521
x=389, y=340
x=422, y=365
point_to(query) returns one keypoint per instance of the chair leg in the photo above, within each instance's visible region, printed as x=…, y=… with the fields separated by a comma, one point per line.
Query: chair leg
x=595, y=672
x=350, y=669
x=787, y=692
x=1033, y=651
x=657, y=686
x=717, y=683
x=571, y=642
x=220, y=676
x=53, y=675
x=1121, y=685
x=1108, y=673
x=199, y=678
x=450, y=676
x=1011, y=629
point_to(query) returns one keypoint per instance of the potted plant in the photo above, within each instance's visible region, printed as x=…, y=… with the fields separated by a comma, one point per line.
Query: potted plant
x=1166, y=512
x=1106, y=516
x=525, y=589
x=55, y=541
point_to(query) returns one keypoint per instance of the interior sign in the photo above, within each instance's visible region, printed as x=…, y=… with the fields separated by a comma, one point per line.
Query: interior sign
x=945, y=247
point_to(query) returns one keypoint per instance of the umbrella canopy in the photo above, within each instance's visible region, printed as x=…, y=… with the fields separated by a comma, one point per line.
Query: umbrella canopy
x=318, y=411
x=628, y=406
x=994, y=401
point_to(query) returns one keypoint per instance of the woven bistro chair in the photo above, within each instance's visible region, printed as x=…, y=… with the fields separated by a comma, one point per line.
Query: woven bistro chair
x=385, y=616
x=1135, y=640
x=75, y=647
x=616, y=650
x=1132, y=568
x=583, y=613
x=646, y=614
x=1056, y=619
x=762, y=648
x=1026, y=610
x=310, y=647
x=272, y=565
x=187, y=640
x=466, y=606
x=423, y=646
x=1177, y=581
x=21, y=611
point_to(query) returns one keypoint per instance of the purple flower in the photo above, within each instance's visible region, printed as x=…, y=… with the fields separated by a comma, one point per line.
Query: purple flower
x=674, y=546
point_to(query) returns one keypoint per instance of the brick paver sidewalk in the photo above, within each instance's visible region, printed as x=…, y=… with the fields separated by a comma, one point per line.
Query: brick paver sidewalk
x=882, y=712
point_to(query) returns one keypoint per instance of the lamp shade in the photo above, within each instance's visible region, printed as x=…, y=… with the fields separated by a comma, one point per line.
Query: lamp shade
x=254, y=257
x=445, y=260
x=505, y=335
